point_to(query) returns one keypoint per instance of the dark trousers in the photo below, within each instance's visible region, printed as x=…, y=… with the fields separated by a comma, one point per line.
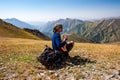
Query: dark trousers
x=69, y=46
x=65, y=53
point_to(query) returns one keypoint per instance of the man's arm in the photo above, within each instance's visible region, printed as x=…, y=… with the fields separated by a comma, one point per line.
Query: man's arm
x=59, y=43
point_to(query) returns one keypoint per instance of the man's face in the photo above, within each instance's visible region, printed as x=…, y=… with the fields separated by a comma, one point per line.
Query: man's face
x=60, y=30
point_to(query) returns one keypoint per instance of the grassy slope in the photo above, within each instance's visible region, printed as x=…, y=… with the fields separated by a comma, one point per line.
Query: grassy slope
x=18, y=61
x=8, y=30
x=77, y=38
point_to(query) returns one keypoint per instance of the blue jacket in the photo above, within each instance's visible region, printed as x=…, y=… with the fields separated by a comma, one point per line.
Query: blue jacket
x=56, y=41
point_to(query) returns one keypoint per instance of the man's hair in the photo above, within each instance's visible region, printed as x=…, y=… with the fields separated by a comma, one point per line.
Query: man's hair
x=57, y=27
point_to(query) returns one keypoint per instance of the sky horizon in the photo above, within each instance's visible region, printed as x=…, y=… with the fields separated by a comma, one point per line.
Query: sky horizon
x=48, y=10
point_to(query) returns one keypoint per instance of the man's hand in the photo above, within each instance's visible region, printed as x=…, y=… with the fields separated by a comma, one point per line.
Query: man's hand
x=65, y=37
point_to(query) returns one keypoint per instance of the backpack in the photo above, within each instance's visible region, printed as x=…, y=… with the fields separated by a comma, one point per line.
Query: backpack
x=50, y=58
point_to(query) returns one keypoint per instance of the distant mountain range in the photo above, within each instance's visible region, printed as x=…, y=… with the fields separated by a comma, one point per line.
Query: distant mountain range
x=100, y=31
x=19, y=23
x=10, y=30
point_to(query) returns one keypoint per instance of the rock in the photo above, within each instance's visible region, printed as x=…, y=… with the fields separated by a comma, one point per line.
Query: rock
x=10, y=76
x=51, y=72
x=1, y=64
x=57, y=75
x=3, y=69
x=42, y=74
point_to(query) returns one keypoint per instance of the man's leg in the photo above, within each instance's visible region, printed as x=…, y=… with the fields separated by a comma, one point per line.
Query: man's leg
x=69, y=46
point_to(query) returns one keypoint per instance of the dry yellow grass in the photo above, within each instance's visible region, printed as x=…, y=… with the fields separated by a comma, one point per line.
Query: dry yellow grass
x=17, y=45
x=18, y=59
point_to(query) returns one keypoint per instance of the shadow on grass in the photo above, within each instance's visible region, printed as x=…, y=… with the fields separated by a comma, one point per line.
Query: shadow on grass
x=72, y=61
x=77, y=60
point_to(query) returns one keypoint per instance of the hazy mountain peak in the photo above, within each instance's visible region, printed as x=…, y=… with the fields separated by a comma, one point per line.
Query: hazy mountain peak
x=19, y=23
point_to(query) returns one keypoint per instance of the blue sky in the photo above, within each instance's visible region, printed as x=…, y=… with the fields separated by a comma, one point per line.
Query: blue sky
x=47, y=10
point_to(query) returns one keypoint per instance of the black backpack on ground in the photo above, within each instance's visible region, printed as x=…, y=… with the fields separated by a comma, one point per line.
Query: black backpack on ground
x=50, y=58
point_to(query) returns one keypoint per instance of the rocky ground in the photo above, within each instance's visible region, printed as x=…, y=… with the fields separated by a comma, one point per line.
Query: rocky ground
x=80, y=68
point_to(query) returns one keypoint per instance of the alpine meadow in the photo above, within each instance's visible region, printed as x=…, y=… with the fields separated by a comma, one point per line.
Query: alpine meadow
x=59, y=39
x=18, y=58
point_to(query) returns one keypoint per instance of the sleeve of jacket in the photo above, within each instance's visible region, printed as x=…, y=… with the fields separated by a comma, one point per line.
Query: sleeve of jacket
x=59, y=43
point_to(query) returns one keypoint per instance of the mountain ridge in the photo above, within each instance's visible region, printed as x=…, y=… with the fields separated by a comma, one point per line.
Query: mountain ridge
x=37, y=33
x=99, y=30
x=12, y=31
x=18, y=23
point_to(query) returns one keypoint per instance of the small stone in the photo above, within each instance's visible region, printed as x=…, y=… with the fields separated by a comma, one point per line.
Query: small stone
x=51, y=72
x=3, y=69
x=42, y=74
x=10, y=75
x=1, y=64
x=56, y=75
